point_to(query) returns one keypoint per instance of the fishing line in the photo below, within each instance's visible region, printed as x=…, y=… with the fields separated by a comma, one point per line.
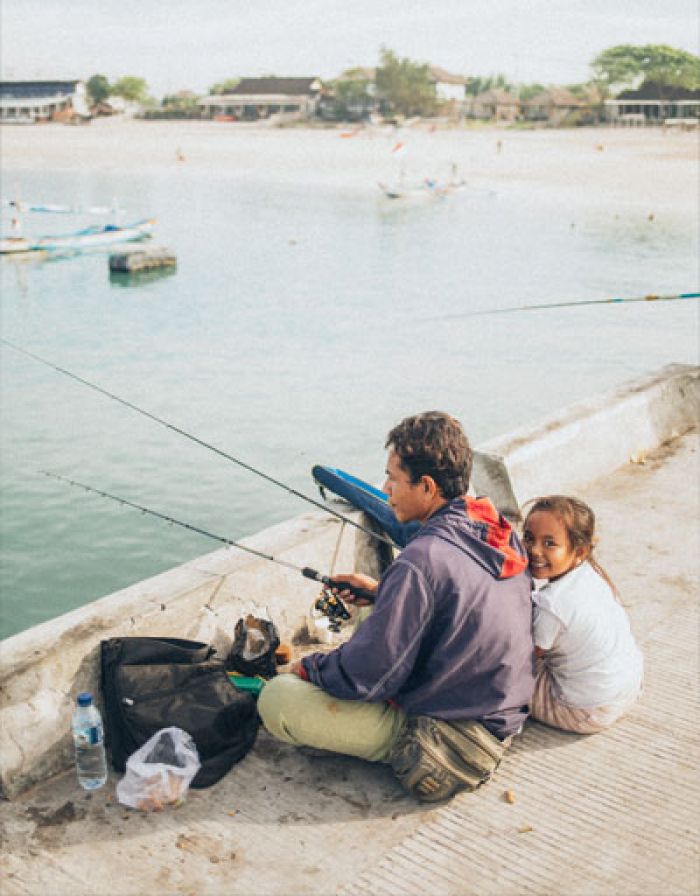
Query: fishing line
x=376, y=535
x=614, y=301
x=306, y=571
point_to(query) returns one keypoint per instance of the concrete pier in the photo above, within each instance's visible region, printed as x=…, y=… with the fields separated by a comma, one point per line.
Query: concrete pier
x=587, y=439
x=614, y=813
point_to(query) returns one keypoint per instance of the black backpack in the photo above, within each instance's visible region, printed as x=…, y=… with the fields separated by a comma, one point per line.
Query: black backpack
x=153, y=683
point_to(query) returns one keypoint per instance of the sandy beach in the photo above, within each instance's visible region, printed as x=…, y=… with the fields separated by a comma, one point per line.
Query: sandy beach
x=635, y=167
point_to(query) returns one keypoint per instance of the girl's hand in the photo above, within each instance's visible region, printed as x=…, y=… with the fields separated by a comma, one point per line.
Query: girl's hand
x=357, y=580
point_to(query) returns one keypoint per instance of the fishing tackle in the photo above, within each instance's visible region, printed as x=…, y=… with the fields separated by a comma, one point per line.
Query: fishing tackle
x=306, y=571
x=333, y=607
x=379, y=536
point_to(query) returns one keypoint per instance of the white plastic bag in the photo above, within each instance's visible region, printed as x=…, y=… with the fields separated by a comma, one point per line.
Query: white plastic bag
x=159, y=773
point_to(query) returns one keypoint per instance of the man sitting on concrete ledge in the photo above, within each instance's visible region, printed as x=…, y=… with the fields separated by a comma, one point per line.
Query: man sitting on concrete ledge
x=438, y=677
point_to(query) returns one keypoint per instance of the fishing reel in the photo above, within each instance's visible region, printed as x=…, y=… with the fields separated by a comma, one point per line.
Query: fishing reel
x=332, y=607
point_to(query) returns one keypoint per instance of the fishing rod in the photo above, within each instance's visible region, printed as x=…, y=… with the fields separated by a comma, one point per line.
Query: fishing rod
x=614, y=301
x=376, y=535
x=306, y=571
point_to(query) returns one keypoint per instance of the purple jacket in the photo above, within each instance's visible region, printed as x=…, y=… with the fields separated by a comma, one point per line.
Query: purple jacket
x=451, y=631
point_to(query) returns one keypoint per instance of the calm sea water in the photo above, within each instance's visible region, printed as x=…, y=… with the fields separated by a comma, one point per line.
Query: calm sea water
x=300, y=325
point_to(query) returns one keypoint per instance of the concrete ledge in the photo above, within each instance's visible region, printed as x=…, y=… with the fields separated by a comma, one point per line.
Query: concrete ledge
x=43, y=668
x=587, y=440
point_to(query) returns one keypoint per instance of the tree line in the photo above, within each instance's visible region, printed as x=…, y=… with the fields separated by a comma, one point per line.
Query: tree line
x=404, y=86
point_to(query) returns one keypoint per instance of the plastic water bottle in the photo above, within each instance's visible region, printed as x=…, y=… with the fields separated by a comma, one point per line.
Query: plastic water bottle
x=88, y=738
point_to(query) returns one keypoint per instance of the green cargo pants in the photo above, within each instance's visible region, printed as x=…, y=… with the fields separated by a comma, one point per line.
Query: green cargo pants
x=301, y=714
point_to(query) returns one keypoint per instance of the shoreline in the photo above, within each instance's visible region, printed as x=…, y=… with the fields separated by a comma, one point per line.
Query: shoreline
x=636, y=167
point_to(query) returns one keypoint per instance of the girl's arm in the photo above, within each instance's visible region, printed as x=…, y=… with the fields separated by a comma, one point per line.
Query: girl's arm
x=546, y=628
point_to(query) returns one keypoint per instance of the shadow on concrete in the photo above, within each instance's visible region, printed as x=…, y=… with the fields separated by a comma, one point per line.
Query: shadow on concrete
x=274, y=785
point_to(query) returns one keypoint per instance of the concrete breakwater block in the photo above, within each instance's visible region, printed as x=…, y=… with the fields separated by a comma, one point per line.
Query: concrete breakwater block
x=584, y=441
x=132, y=260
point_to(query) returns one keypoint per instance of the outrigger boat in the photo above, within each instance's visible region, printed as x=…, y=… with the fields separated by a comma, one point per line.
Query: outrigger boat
x=105, y=235
x=420, y=188
x=95, y=236
x=427, y=188
x=54, y=209
x=10, y=245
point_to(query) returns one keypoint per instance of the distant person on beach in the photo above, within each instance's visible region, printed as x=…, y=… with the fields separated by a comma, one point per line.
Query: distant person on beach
x=446, y=656
x=589, y=668
x=455, y=179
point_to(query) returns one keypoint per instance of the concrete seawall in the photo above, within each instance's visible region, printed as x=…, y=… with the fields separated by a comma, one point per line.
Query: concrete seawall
x=43, y=668
x=588, y=439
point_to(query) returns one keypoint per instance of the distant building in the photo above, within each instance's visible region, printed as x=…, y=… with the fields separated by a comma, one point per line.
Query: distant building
x=27, y=102
x=450, y=91
x=259, y=98
x=655, y=105
x=338, y=103
x=495, y=105
x=448, y=87
x=554, y=106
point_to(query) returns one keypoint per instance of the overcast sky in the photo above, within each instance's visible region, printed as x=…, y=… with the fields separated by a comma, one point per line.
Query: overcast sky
x=190, y=44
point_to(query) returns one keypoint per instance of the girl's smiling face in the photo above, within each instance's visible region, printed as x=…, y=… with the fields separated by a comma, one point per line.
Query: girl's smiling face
x=548, y=546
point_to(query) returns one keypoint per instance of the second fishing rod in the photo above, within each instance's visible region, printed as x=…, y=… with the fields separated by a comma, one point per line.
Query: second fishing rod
x=308, y=572
x=378, y=536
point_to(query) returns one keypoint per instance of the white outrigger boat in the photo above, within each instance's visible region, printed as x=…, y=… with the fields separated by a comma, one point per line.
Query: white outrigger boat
x=95, y=236
x=12, y=245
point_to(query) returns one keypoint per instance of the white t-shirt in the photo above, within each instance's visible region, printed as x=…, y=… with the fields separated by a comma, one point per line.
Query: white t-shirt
x=591, y=652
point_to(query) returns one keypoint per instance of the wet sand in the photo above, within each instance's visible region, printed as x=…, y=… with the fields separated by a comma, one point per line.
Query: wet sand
x=636, y=167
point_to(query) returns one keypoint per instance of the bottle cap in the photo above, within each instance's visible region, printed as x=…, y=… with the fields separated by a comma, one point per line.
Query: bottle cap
x=85, y=698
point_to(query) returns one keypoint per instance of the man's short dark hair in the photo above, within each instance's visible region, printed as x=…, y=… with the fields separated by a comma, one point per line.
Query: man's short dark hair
x=434, y=444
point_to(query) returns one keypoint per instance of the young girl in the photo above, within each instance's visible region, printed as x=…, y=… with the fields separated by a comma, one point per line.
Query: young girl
x=589, y=668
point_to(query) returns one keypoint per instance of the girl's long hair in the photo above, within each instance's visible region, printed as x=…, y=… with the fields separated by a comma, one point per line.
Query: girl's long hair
x=579, y=522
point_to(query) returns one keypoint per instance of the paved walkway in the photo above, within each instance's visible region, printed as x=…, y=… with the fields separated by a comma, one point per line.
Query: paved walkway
x=615, y=813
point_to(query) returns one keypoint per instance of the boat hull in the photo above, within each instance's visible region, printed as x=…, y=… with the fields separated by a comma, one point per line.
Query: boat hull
x=95, y=238
x=90, y=238
x=14, y=245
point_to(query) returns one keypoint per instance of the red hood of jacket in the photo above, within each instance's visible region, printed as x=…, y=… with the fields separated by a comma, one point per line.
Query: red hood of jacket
x=485, y=534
